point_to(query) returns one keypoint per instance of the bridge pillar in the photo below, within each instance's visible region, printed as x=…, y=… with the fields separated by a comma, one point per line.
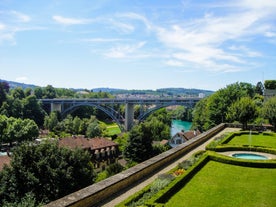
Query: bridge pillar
x=129, y=116
x=55, y=107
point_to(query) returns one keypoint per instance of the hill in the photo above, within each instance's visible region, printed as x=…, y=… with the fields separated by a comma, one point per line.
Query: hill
x=115, y=91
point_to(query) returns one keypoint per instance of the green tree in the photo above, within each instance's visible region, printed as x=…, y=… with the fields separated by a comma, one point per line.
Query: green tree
x=49, y=92
x=38, y=92
x=93, y=130
x=139, y=147
x=32, y=109
x=77, y=125
x=216, y=106
x=270, y=84
x=259, y=88
x=4, y=89
x=19, y=130
x=200, y=115
x=18, y=93
x=46, y=171
x=243, y=110
x=51, y=121
x=269, y=111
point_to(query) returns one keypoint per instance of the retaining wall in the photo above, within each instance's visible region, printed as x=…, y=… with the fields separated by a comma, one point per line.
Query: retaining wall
x=100, y=191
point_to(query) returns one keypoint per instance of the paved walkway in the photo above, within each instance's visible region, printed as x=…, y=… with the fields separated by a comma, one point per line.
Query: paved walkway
x=119, y=198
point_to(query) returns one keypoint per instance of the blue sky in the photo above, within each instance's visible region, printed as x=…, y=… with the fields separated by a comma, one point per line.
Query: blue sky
x=137, y=44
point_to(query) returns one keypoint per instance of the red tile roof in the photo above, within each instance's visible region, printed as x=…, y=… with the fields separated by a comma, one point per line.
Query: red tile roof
x=86, y=143
x=4, y=160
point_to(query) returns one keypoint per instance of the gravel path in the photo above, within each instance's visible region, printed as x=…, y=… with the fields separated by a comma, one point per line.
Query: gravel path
x=119, y=198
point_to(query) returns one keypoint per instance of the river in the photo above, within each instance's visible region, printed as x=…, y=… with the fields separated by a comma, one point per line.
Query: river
x=178, y=125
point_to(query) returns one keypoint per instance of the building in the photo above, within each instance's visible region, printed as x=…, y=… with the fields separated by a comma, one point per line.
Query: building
x=4, y=160
x=182, y=137
x=103, y=151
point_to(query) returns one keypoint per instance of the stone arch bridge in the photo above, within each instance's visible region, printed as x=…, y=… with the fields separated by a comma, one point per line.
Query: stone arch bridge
x=148, y=105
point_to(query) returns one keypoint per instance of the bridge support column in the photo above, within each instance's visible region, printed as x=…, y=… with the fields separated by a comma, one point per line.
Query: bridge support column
x=129, y=116
x=55, y=107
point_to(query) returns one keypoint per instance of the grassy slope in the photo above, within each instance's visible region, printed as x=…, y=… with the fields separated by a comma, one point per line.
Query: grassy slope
x=218, y=184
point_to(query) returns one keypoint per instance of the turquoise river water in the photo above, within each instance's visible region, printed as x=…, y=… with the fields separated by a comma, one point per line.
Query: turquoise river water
x=178, y=125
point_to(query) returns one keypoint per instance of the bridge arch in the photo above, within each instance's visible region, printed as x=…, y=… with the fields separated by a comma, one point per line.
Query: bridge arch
x=144, y=115
x=114, y=115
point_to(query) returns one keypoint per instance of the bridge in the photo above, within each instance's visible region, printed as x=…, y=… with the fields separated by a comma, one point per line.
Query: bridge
x=108, y=105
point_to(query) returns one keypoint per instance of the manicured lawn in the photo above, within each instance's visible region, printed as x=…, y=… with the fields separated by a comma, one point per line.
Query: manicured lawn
x=112, y=129
x=218, y=184
x=256, y=140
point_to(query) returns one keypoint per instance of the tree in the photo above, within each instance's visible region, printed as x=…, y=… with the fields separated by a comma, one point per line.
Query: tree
x=243, y=110
x=200, y=117
x=216, y=105
x=139, y=147
x=18, y=93
x=49, y=92
x=269, y=111
x=259, y=88
x=32, y=109
x=156, y=129
x=38, y=92
x=19, y=130
x=51, y=121
x=45, y=170
x=93, y=129
x=270, y=84
x=4, y=89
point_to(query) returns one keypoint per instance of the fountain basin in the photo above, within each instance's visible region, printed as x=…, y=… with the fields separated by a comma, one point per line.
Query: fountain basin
x=249, y=156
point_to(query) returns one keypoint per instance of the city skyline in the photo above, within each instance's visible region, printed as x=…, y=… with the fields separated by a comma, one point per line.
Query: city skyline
x=137, y=44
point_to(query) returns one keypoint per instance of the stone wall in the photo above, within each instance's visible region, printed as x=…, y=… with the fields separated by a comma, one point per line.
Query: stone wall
x=97, y=192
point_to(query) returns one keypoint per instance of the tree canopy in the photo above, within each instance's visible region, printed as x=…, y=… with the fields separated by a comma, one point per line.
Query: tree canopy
x=45, y=170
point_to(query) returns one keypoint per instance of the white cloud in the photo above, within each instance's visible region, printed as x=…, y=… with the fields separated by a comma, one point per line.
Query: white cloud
x=122, y=27
x=102, y=40
x=70, y=21
x=125, y=51
x=174, y=63
x=202, y=41
x=135, y=16
x=21, y=17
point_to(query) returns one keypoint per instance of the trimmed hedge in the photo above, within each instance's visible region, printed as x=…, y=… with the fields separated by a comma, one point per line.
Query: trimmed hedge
x=221, y=145
x=165, y=194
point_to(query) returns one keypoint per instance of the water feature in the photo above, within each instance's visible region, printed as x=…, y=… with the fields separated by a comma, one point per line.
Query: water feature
x=250, y=156
x=250, y=138
x=178, y=126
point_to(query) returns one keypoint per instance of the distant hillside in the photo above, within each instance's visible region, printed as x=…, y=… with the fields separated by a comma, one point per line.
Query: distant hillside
x=13, y=84
x=114, y=91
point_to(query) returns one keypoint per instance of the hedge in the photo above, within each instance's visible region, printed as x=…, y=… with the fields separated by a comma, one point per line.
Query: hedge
x=165, y=194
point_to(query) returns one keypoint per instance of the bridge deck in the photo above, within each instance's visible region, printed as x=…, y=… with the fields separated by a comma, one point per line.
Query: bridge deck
x=123, y=100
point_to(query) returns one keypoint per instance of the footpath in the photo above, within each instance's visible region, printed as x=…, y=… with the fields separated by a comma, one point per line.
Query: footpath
x=116, y=199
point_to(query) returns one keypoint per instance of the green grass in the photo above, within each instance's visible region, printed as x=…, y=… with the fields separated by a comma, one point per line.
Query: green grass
x=218, y=184
x=256, y=140
x=111, y=129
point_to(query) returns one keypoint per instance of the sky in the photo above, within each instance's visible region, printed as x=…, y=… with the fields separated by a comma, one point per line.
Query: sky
x=137, y=44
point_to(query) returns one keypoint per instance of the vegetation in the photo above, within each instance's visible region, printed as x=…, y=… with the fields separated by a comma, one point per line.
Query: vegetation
x=269, y=111
x=139, y=144
x=263, y=140
x=255, y=190
x=270, y=84
x=238, y=102
x=17, y=130
x=243, y=110
x=46, y=171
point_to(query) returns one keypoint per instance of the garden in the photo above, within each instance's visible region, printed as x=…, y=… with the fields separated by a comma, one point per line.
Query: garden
x=211, y=179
